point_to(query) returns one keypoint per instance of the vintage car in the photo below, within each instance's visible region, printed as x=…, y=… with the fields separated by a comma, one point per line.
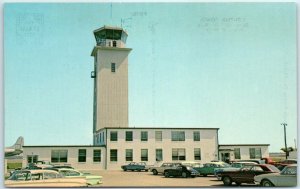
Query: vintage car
x=90, y=179
x=181, y=171
x=133, y=166
x=161, y=169
x=192, y=164
x=42, y=178
x=282, y=164
x=287, y=177
x=209, y=168
x=236, y=166
x=246, y=174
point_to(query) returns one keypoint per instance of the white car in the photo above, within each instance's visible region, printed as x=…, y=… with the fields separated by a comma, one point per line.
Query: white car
x=287, y=177
x=42, y=178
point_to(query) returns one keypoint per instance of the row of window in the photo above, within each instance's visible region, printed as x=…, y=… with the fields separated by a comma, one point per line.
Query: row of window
x=177, y=154
x=175, y=135
x=255, y=153
x=58, y=156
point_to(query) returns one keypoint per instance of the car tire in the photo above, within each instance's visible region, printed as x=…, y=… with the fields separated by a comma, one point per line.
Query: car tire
x=184, y=174
x=205, y=175
x=167, y=174
x=266, y=183
x=227, y=181
x=125, y=169
x=154, y=172
x=238, y=183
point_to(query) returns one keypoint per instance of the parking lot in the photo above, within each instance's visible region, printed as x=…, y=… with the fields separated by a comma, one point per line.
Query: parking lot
x=146, y=179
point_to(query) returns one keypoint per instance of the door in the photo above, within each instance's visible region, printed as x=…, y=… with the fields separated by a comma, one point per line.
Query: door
x=225, y=156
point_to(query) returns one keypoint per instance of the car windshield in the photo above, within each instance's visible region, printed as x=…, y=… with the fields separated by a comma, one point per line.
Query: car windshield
x=289, y=170
x=18, y=176
x=225, y=165
x=189, y=168
x=273, y=168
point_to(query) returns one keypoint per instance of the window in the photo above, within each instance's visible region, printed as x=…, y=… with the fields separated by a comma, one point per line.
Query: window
x=113, y=155
x=197, y=153
x=113, y=135
x=129, y=155
x=82, y=155
x=237, y=153
x=178, y=136
x=114, y=43
x=128, y=135
x=113, y=67
x=196, y=135
x=158, y=135
x=144, y=155
x=144, y=136
x=58, y=156
x=159, y=155
x=32, y=159
x=97, y=156
x=178, y=154
x=255, y=153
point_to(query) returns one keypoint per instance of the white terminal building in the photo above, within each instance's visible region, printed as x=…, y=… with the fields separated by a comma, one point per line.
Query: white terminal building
x=114, y=142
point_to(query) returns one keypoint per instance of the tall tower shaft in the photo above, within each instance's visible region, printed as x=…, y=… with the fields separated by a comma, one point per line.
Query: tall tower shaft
x=110, y=78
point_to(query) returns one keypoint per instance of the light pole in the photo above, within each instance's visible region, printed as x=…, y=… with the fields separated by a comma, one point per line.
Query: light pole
x=286, y=152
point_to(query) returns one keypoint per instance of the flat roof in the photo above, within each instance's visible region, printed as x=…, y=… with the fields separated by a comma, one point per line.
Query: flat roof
x=160, y=128
x=110, y=28
x=244, y=145
x=84, y=146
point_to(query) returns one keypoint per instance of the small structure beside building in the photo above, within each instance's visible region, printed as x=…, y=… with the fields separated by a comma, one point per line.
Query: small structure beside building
x=233, y=152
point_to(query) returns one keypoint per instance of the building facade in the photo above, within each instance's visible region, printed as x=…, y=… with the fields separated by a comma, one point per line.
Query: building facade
x=118, y=146
x=233, y=152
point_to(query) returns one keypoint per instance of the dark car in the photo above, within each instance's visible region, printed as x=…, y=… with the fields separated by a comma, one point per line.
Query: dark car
x=133, y=166
x=181, y=171
x=284, y=163
x=246, y=174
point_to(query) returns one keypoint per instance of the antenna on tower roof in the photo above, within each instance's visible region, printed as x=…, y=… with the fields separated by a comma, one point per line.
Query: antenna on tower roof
x=126, y=23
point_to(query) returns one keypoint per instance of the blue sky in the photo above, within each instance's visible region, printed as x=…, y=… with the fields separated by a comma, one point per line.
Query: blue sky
x=230, y=66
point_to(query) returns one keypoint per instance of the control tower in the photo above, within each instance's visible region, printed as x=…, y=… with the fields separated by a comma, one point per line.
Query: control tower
x=110, y=78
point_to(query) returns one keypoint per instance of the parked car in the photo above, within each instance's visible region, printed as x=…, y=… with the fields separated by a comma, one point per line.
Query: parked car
x=287, y=177
x=90, y=179
x=246, y=174
x=236, y=166
x=161, y=169
x=282, y=164
x=133, y=166
x=42, y=178
x=43, y=164
x=181, y=171
x=209, y=168
x=258, y=161
x=192, y=164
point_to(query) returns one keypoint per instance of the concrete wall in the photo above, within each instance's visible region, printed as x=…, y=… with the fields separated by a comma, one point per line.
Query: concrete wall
x=111, y=87
x=44, y=153
x=208, y=145
x=244, y=150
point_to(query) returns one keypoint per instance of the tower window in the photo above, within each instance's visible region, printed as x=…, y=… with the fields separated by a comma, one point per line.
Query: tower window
x=114, y=43
x=113, y=67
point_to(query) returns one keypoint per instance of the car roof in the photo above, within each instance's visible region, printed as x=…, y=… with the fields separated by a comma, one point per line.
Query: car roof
x=217, y=163
x=35, y=171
